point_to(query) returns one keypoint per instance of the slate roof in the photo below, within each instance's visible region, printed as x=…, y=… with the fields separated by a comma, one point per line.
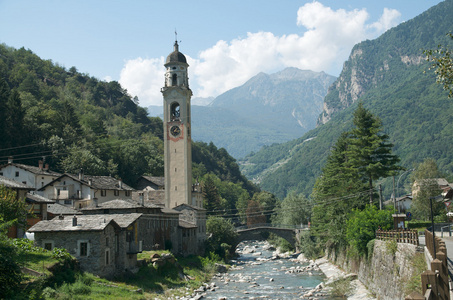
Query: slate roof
x=95, y=182
x=159, y=181
x=9, y=183
x=189, y=206
x=113, y=204
x=85, y=223
x=187, y=225
x=60, y=209
x=32, y=169
x=33, y=198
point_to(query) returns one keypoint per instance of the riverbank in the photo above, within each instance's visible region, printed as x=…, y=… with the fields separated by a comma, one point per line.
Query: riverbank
x=333, y=273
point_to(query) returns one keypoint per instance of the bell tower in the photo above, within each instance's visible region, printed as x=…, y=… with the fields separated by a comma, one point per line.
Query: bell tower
x=177, y=135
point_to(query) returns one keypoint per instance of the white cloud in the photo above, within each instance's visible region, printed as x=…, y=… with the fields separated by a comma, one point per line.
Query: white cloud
x=144, y=78
x=388, y=20
x=325, y=44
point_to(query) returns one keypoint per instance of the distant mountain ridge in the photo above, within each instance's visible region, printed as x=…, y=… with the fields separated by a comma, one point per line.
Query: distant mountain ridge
x=266, y=109
x=388, y=75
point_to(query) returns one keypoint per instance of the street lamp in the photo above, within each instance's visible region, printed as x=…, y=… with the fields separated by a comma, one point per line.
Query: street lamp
x=398, y=188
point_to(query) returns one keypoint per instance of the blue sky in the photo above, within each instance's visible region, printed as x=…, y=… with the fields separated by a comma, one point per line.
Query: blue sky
x=225, y=42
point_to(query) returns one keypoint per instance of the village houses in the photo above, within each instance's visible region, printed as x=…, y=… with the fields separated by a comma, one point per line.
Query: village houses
x=104, y=223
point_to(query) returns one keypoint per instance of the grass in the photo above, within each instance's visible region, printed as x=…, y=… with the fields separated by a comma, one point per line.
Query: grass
x=418, y=264
x=162, y=282
x=341, y=288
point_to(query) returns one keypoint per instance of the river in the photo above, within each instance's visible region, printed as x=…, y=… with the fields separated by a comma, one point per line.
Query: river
x=259, y=274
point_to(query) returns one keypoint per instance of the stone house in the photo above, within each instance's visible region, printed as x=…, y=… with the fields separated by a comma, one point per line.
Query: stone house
x=157, y=227
x=105, y=245
x=191, y=230
x=35, y=177
x=80, y=191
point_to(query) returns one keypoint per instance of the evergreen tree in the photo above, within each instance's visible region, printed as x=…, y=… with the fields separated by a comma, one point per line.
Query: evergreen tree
x=210, y=194
x=336, y=192
x=369, y=150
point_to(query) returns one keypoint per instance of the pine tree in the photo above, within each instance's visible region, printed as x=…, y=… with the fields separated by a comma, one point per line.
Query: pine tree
x=369, y=150
x=336, y=192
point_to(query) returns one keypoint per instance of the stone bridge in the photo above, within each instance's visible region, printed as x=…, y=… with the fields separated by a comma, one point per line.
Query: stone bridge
x=291, y=233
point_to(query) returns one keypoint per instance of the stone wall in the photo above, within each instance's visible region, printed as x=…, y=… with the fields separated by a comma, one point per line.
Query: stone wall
x=95, y=261
x=386, y=274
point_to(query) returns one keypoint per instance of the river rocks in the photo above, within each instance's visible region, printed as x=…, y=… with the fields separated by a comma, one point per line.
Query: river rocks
x=221, y=268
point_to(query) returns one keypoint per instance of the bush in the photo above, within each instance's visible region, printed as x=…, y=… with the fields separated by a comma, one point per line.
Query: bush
x=310, y=246
x=418, y=224
x=222, y=232
x=61, y=254
x=362, y=225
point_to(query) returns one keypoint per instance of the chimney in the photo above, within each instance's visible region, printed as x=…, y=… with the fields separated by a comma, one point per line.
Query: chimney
x=46, y=167
x=142, y=199
x=40, y=164
x=90, y=181
x=81, y=174
x=10, y=160
x=74, y=221
x=60, y=217
x=120, y=183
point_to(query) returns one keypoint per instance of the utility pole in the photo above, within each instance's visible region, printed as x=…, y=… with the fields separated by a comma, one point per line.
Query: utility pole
x=380, y=197
x=394, y=198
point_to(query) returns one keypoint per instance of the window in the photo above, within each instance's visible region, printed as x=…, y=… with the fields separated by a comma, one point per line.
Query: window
x=103, y=193
x=175, y=111
x=1, y=173
x=116, y=192
x=83, y=248
x=128, y=193
x=17, y=173
x=48, y=245
x=107, y=256
x=174, y=80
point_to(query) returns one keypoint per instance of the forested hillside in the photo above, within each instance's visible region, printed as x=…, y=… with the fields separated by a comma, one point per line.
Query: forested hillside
x=391, y=76
x=74, y=121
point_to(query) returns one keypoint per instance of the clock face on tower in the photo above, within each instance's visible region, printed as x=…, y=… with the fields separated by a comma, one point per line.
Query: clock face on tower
x=175, y=130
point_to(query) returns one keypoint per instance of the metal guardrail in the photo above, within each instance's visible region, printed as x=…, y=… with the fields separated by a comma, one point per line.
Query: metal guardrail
x=267, y=225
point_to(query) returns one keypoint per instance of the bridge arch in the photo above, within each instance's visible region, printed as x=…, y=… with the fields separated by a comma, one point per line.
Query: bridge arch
x=257, y=233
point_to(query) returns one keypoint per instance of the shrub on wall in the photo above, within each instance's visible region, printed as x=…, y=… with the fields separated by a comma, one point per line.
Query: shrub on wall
x=362, y=225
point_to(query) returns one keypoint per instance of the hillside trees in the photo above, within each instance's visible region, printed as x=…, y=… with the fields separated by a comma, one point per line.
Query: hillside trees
x=441, y=61
x=424, y=178
x=295, y=209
